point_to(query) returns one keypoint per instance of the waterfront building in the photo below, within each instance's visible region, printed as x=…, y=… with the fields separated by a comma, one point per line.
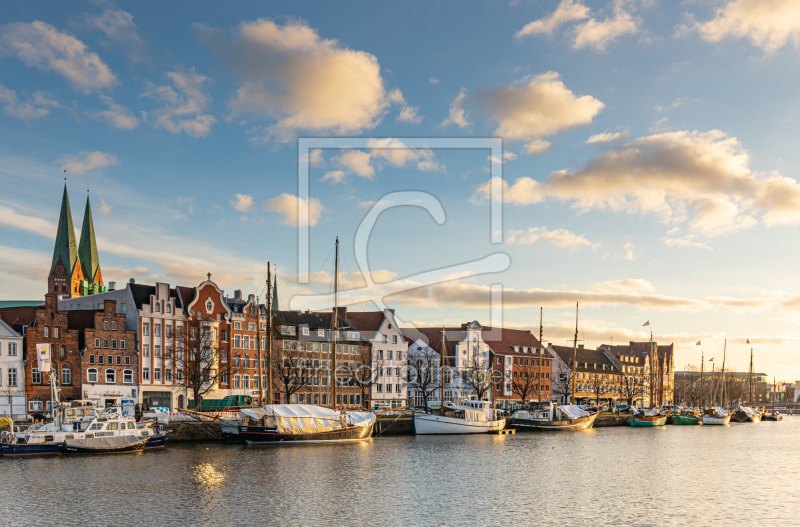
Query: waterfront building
x=596, y=377
x=248, y=334
x=12, y=366
x=515, y=353
x=389, y=353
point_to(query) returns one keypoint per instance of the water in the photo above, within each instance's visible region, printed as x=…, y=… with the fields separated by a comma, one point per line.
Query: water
x=743, y=474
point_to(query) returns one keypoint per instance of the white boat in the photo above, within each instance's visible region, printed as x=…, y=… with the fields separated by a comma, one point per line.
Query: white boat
x=554, y=417
x=461, y=417
x=716, y=416
x=303, y=423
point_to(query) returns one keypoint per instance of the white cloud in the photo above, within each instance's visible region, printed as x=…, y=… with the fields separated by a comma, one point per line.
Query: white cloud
x=118, y=26
x=183, y=104
x=105, y=208
x=537, y=146
x=670, y=175
x=289, y=207
x=557, y=237
x=630, y=251
x=35, y=107
x=356, y=162
x=381, y=152
x=624, y=286
x=315, y=158
x=303, y=81
x=607, y=137
x=42, y=46
x=769, y=25
x=434, y=81
x=10, y=217
x=598, y=34
x=336, y=176
x=242, y=203
x=116, y=115
x=690, y=240
x=85, y=161
x=541, y=107
x=567, y=11
x=410, y=114
x=189, y=200
x=458, y=115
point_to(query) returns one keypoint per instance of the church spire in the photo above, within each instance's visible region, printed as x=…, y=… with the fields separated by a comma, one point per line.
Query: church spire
x=275, y=294
x=66, y=250
x=87, y=250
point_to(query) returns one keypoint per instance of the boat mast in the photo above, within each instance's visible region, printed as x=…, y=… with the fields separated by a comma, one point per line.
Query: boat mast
x=335, y=318
x=441, y=371
x=258, y=348
x=269, y=334
x=750, y=380
x=722, y=381
x=702, y=367
x=539, y=381
x=574, y=355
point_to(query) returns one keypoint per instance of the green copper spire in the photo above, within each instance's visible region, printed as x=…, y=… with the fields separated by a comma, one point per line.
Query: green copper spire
x=87, y=250
x=66, y=250
x=275, y=294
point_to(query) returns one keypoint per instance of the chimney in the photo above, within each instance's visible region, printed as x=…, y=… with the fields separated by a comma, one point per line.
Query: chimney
x=580, y=346
x=237, y=294
x=112, y=286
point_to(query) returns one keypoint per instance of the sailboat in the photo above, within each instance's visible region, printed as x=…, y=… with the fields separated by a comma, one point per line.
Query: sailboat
x=649, y=416
x=775, y=415
x=748, y=414
x=716, y=415
x=305, y=423
x=467, y=416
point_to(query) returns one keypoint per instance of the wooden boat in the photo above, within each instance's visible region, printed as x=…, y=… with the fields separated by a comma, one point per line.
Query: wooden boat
x=463, y=417
x=746, y=414
x=303, y=423
x=682, y=419
x=567, y=417
x=772, y=416
x=716, y=416
x=648, y=418
x=103, y=445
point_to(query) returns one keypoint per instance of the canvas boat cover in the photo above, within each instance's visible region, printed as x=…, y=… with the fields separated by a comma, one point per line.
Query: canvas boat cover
x=307, y=418
x=103, y=443
x=573, y=411
x=719, y=411
x=748, y=410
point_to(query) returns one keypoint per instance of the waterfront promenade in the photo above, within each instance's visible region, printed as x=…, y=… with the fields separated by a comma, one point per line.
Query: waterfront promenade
x=742, y=474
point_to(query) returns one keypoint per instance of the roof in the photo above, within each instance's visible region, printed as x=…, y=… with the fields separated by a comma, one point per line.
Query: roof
x=141, y=293
x=366, y=321
x=584, y=356
x=433, y=336
x=186, y=295
x=7, y=331
x=87, y=249
x=17, y=317
x=20, y=303
x=65, y=249
x=509, y=338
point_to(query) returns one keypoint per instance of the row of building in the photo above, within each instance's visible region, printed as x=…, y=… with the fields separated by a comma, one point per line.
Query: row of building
x=168, y=345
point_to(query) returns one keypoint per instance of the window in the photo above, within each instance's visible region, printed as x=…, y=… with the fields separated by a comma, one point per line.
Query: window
x=246, y=342
x=36, y=376
x=92, y=375
x=157, y=330
x=105, y=325
x=158, y=307
x=127, y=360
x=388, y=388
x=145, y=350
x=305, y=331
x=237, y=381
x=35, y=405
x=122, y=344
x=12, y=376
x=389, y=354
x=62, y=351
x=157, y=351
x=379, y=388
x=114, y=325
x=169, y=307
x=146, y=329
x=223, y=377
x=224, y=335
x=113, y=344
x=397, y=388
x=55, y=332
x=110, y=360
x=246, y=383
x=394, y=339
x=237, y=341
x=111, y=376
x=380, y=354
x=237, y=325
x=399, y=355
x=251, y=326
x=66, y=376
x=320, y=332
x=156, y=374
x=145, y=374
x=119, y=360
x=105, y=343
x=101, y=359
x=46, y=331
x=96, y=343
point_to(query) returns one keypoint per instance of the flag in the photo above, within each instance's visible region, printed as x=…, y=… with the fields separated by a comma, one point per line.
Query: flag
x=711, y=359
x=646, y=323
x=748, y=341
x=43, y=356
x=698, y=343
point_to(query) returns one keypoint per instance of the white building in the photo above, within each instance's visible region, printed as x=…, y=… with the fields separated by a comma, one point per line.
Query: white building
x=12, y=373
x=389, y=351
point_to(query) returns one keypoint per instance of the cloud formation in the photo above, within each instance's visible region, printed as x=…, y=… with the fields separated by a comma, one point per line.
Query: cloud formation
x=381, y=152
x=42, y=46
x=118, y=26
x=289, y=206
x=768, y=25
x=242, y=202
x=183, y=104
x=567, y=11
x=116, y=115
x=36, y=107
x=303, y=81
x=84, y=161
x=457, y=115
x=698, y=179
x=557, y=237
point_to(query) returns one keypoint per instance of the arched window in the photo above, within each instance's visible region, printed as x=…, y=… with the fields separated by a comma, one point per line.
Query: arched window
x=47, y=331
x=55, y=332
x=114, y=325
x=92, y=375
x=66, y=376
x=111, y=376
x=105, y=325
x=62, y=351
x=127, y=376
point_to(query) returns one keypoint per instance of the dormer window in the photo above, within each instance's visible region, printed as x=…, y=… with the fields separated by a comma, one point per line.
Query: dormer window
x=158, y=307
x=169, y=307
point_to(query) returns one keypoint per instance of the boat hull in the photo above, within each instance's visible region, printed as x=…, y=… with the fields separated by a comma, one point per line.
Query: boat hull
x=269, y=436
x=157, y=441
x=772, y=417
x=429, y=424
x=25, y=449
x=102, y=446
x=686, y=420
x=581, y=423
x=746, y=418
x=713, y=420
x=660, y=421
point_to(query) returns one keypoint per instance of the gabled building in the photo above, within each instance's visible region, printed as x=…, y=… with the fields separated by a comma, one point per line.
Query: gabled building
x=12, y=367
x=596, y=376
x=526, y=375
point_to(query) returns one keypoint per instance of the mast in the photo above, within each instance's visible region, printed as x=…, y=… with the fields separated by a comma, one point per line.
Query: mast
x=269, y=334
x=574, y=355
x=722, y=379
x=539, y=380
x=335, y=318
x=702, y=367
x=441, y=371
x=652, y=384
x=750, y=380
x=258, y=348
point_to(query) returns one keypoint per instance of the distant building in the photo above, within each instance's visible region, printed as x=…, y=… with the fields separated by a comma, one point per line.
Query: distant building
x=597, y=378
x=12, y=367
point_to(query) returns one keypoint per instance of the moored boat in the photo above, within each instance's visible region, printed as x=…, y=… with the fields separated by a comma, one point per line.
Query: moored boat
x=462, y=417
x=648, y=418
x=303, y=423
x=555, y=417
x=103, y=445
x=716, y=416
x=772, y=416
x=682, y=419
x=746, y=414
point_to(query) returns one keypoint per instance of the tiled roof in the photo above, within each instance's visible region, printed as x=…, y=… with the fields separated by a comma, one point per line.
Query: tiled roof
x=584, y=356
x=367, y=321
x=510, y=340
x=433, y=336
x=19, y=316
x=142, y=293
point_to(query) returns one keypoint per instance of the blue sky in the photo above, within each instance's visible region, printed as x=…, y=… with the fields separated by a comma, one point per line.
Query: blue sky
x=649, y=172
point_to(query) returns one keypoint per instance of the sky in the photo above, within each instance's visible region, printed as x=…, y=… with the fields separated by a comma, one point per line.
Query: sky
x=648, y=168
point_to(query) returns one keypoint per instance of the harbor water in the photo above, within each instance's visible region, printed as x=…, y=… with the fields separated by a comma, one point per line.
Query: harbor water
x=742, y=474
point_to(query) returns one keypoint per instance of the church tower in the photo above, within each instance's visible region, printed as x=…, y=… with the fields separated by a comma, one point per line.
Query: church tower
x=87, y=254
x=65, y=271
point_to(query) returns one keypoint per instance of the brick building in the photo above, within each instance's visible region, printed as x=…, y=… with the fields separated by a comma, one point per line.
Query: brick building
x=526, y=376
x=596, y=376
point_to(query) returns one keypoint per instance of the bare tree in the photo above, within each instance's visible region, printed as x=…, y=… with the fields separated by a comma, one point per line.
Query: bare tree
x=364, y=372
x=424, y=374
x=562, y=386
x=478, y=377
x=687, y=385
x=631, y=388
x=598, y=387
x=525, y=383
x=290, y=370
x=194, y=353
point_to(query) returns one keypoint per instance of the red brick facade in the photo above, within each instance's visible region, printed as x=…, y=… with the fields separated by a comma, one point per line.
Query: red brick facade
x=111, y=358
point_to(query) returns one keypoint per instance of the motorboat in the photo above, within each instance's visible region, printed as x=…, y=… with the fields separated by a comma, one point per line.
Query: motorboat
x=553, y=417
x=461, y=417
